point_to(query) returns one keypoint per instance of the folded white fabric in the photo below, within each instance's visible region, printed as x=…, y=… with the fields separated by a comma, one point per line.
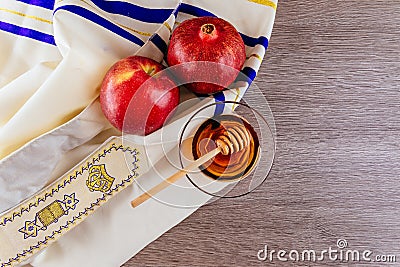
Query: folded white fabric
x=53, y=58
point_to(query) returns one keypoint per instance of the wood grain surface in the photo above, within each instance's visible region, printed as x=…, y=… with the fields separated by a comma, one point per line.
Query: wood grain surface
x=332, y=79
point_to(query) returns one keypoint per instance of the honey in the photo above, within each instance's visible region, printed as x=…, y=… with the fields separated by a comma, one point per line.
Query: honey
x=225, y=167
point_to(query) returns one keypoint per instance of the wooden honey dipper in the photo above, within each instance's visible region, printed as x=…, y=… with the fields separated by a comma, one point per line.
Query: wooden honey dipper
x=233, y=140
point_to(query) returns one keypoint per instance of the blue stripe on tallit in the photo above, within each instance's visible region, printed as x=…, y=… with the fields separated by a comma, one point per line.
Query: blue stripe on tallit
x=134, y=11
x=159, y=42
x=219, y=107
x=29, y=33
x=176, y=10
x=248, y=75
x=48, y=4
x=195, y=11
x=251, y=41
x=89, y=15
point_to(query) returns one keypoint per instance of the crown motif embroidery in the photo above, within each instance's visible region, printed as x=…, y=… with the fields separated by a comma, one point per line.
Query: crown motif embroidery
x=99, y=179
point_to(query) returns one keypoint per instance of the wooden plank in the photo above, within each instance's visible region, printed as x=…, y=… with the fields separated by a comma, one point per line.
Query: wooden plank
x=332, y=79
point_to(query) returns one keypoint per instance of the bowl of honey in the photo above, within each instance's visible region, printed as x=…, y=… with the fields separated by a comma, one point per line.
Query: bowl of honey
x=246, y=132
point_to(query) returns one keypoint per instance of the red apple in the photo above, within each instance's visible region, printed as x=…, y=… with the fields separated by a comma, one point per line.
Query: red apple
x=202, y=40
x=137, y=96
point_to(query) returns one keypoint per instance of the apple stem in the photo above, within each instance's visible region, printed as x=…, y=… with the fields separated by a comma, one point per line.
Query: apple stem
x=208, y=28
x=151, y=71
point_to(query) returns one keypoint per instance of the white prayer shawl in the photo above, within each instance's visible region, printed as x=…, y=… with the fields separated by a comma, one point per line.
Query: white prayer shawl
x=53, y=58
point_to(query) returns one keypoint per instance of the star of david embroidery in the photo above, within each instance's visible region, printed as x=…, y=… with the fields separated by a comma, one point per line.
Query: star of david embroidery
x=30, y=229
x=70, y=201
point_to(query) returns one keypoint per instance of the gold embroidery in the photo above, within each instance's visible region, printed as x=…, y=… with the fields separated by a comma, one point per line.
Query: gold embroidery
x=31, y=228
x=99, y=179
x=51, y=213
x=70, y=201
x=265, y=3
x=60, y=185
x=26, y=16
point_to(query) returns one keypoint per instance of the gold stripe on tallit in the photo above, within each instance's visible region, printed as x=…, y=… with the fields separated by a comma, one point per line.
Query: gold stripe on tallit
x=256, y=56
x=265, y=3
x=26, y=16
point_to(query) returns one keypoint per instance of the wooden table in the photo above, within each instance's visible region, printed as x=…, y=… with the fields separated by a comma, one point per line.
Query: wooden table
x=331, y=76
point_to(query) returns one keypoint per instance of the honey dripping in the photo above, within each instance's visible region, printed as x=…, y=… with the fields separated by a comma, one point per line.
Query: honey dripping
x=232, y=165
